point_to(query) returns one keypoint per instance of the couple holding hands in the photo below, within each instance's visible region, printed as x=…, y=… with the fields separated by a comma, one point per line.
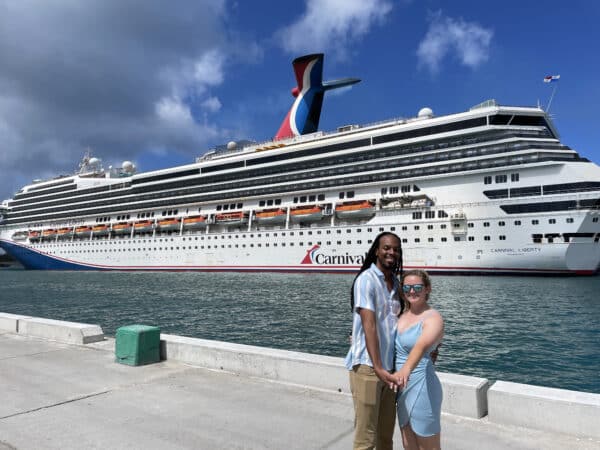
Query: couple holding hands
x=395, y=335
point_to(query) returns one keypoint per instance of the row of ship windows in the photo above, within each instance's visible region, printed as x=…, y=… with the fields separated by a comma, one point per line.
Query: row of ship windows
x=443, y=226
x=426, y=146
x=403, y=188
x=267, y=244
x=309, y=232
x=307, y=165
x=139, y=216
x=240, y=185
x=549, y=189
x=417, y=240
x=417, y=215
x=502, y=178
x=501, y=223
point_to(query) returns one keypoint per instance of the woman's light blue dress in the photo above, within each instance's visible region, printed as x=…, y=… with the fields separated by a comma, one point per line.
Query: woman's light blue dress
x=420, y=402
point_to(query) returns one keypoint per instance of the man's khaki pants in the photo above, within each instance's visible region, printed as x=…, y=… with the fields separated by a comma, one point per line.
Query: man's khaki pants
x=374, y=409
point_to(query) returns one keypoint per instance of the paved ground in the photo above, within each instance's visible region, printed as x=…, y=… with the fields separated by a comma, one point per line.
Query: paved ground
x=58, y=396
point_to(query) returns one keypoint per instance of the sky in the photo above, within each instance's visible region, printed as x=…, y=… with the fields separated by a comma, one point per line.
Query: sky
x=160, y=83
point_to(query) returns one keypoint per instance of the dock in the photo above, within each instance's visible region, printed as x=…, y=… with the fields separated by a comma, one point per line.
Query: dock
x=60, y=388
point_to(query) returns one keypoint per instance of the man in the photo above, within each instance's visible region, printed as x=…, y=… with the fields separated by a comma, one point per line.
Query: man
x=375, y=305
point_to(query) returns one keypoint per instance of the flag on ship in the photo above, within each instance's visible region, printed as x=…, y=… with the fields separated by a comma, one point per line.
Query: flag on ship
x=551, y=78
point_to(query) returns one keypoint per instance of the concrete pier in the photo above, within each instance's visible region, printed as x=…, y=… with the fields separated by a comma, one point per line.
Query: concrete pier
x=206, y=394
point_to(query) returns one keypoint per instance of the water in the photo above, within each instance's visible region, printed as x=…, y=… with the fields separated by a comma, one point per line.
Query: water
x=542, y=331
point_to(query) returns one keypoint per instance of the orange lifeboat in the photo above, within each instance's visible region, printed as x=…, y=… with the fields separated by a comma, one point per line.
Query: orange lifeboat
x=170, y=224
x=194, y=222
x=271, y=216
x=355, y=209
x=306, y=213
x=100, y=230
x=122, y=228
x=143, y=226
x=232, y=218
x=83, y=231
x=48, y=233
x=64, y=233
x=34, y=235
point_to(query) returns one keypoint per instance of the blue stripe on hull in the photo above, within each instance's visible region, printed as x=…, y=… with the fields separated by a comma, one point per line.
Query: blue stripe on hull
x=31, y=259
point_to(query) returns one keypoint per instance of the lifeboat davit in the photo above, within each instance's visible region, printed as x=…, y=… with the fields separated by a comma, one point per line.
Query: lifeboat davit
x=306, y=214
x=170, y=224
x=232, y=218
x=143, y=226
x=100, y=230
x=271, y=216
x=355, y=210
x=194, y=222
x=122, y=228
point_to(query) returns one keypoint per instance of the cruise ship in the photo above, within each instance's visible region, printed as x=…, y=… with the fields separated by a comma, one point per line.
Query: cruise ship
x=491, y=190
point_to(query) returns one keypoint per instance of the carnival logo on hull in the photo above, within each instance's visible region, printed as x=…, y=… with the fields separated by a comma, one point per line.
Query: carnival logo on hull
x=315, y=256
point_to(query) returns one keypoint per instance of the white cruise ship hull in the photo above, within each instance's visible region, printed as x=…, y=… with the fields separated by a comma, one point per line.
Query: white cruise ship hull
x=340, y=247
x=488, y=191
x=181, y=254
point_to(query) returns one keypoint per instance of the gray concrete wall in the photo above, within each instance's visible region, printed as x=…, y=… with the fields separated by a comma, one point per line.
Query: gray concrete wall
x=10, y=322
x=546, y=409
x=543, y=408
x=55, y=330
x=463, y=395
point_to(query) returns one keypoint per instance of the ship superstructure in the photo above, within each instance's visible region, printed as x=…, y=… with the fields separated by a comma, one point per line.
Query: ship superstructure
x=489, y=190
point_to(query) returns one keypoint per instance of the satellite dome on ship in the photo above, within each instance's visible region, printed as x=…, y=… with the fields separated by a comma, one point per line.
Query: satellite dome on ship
x=425, y=113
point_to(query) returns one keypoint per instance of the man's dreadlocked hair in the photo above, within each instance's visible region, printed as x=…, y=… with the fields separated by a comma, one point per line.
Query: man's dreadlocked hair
x=371, y=257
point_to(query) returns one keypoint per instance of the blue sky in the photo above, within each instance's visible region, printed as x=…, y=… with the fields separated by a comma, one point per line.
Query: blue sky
x=160, y=83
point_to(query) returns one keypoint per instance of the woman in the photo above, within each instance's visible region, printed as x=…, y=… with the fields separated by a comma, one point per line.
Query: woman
x=419, y=331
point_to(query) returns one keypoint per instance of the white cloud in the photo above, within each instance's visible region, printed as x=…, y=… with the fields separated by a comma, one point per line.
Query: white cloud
x=468, y=41
x=99, y=80
x=194, y=77
x=173, y=111
x=332, y=25
x=208, y=70
x=212, y=104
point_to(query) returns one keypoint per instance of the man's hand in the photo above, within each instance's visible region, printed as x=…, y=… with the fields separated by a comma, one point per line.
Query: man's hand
x=387, y=378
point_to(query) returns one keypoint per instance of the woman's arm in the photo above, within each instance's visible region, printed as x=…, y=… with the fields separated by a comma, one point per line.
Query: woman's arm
x=372, y=343
x=433, y=330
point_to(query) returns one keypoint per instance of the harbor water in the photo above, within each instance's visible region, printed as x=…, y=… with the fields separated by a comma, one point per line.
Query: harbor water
x=541, y=331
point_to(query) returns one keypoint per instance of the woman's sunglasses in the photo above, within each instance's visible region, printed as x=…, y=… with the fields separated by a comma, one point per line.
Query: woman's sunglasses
x=415, y=287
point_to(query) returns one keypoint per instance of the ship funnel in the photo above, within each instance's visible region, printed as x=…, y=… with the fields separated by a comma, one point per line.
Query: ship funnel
x=303, y=117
